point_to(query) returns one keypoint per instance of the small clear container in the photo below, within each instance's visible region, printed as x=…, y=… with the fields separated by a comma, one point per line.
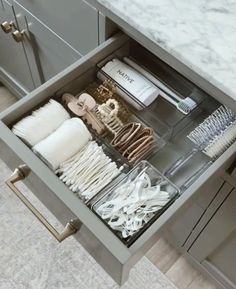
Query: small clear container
x=129, y=205
x=121, y=164
x=144, y=113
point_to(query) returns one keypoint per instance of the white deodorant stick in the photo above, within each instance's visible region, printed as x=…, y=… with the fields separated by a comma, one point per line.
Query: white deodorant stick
x=132, y=81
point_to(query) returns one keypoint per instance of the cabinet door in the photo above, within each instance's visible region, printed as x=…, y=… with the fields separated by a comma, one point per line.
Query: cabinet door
x=14, y=68
x=181, y=231
x=215, y=246
x=75, y=21
x=48, y=54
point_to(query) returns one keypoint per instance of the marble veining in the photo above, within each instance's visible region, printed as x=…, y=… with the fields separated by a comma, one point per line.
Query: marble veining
x=201, y=34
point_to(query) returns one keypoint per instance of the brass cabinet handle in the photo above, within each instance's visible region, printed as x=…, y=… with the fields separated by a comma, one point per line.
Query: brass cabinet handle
x=18, y=36
x=7, y=27
x=21, y=173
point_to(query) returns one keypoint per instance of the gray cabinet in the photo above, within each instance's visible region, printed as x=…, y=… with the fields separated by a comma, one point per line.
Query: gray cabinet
x=48, y=54
x=51, y=42
x=206, y=231
x=75, y=21
x=184, y=228
x=54, y=36
x=215, y=247
x=109, y=251
x=14, y=66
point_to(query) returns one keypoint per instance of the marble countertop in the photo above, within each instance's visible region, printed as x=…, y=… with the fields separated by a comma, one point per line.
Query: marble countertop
x=201, y=34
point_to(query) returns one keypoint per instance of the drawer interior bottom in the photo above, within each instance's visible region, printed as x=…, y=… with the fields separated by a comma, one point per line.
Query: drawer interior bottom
x=177, y=158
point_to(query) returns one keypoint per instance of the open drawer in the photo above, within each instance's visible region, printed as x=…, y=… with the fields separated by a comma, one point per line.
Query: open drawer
x=114, y=256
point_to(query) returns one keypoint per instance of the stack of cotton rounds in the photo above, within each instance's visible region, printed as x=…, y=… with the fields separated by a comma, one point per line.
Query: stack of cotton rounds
x=52, y=134
x=63, y=143
x=42, y=122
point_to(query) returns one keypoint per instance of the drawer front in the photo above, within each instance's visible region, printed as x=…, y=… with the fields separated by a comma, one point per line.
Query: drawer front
x=38, y=188
x=230, y=175
x=223, y=259
x=76, y=22
x=47, y=52
x=111, y=253
x=215, y=246
x=182, y=231
x=178, y=232
x=13, y=64
x=55, y=205
x=221, y=194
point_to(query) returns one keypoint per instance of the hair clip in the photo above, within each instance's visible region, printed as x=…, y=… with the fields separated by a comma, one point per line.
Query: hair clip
x=67, y=97
x=85, y=107
x=108, y=90
x=104, y=93
x=110, y=84
x=109, y=112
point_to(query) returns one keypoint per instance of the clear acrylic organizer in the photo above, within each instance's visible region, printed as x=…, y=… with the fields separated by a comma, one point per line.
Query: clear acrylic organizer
x=109, y=194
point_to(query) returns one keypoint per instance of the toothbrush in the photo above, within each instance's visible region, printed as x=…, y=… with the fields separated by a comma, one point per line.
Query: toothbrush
x=185, y=105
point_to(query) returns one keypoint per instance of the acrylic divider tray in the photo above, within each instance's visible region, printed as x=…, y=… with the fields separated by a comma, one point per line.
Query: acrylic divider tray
x=161, y=131
x=112, y=154
x=131, y=204
x=139, y=110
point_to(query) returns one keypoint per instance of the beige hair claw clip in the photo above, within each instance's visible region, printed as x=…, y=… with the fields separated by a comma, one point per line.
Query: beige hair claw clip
x=109, y=115
x=85, y=107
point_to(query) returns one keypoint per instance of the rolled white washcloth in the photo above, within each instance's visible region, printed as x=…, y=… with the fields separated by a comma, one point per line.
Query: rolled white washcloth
x=63, y=143
x=41, y=123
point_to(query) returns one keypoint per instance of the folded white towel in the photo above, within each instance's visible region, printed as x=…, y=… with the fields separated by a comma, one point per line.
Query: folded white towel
x=42, y=122
x=63, y=143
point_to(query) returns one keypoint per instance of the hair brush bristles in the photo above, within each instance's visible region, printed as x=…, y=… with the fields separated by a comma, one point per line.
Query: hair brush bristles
x=216, y=133
x=221, y=142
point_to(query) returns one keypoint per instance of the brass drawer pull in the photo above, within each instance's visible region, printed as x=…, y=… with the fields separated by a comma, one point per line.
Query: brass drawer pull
x=18, y=36
x=7, y=27
x=21, y=173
